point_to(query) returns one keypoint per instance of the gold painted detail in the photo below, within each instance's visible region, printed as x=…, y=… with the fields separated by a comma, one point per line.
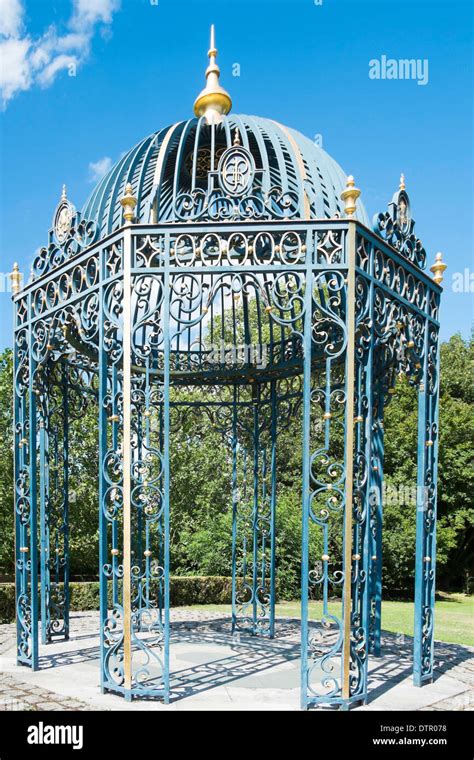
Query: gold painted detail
x=128, y=203
x=349, y=480
x=349, y=196
x=438, y=269
x=213, y=101
x=15, y=278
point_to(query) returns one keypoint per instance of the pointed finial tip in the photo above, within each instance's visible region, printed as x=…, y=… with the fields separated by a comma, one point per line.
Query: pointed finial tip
x=64, y=193
x=402, y=181
x=213, y=101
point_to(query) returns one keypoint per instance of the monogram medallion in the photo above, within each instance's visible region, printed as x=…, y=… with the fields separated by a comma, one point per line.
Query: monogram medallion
x=236, y=170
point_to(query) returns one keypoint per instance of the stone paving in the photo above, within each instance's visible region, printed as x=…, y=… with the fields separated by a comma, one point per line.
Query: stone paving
x=211, y=669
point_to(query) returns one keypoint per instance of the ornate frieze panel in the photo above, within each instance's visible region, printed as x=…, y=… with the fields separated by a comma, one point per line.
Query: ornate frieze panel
x=397, y=227
x=69, y=235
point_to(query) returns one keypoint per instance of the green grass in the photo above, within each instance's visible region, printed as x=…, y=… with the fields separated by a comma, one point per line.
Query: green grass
x=454, y=616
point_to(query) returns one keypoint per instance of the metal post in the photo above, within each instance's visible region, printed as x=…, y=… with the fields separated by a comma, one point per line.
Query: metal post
x=26, y=553
x=307, y=345
x=32, y=473
x=127, y=463
x=376, y=519
x=349, y=460
x=425, y=560
x=65, y=516
x=256, y=510
x=103, y=522
x=235, y=501
x=273, y=464
x=166, y=467
x=45, y=582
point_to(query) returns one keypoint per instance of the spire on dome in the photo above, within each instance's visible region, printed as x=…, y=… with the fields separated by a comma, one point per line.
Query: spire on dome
x=213, y=101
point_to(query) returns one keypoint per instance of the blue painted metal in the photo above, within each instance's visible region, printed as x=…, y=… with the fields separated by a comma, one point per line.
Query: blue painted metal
x=265, y=264
x=376, y=521
x=425, y=557
x=44, y=520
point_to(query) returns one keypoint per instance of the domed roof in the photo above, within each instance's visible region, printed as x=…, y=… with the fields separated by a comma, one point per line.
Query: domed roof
x=173, y=173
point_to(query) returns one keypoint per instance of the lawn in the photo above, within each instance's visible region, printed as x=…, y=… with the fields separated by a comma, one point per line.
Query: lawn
x=454, y=616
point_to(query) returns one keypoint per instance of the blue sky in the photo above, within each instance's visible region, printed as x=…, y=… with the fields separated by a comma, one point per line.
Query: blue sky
x=140, y=63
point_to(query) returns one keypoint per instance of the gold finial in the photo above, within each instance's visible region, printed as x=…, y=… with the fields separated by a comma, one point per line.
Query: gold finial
x=213, y=101
x=350, y=195
x=402, y=182
x=128, y=203
x=64, y=193
x=15, y=278
x=438, y=269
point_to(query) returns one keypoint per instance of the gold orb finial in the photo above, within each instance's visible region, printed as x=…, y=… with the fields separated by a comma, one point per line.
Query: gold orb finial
x=402, y=181
x=350, y=195
x=213, y=101
x=15, y=278
x=438, y=269
x=128, y=203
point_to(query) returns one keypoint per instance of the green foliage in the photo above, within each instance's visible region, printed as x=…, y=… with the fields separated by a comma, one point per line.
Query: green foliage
x=183, y=591
x=455, y=531
x=201, y=486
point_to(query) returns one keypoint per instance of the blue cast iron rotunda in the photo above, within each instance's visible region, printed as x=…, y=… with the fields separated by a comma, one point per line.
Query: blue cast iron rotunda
x=225, y=267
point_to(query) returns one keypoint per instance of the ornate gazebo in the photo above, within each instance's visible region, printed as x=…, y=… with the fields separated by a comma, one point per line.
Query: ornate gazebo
x=225, y=266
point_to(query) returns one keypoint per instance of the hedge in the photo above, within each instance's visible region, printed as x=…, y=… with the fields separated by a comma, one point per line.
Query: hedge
x=184, y=590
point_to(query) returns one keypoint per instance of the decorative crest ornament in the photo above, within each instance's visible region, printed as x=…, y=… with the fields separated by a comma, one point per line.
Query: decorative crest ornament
x=397, y=227
x=69, y=234
x=63, y=218
x=213, y=101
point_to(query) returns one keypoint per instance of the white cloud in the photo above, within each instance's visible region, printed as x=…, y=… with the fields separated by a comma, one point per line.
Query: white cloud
x=26, y=61
x=11, y=17
x=98, y=169
x=15, y=72
x=90, y=12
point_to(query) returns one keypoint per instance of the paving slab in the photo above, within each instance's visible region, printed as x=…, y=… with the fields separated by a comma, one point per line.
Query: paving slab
x=213, y=670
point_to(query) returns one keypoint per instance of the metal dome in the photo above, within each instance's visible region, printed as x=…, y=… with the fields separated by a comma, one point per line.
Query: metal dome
x=170, y=172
